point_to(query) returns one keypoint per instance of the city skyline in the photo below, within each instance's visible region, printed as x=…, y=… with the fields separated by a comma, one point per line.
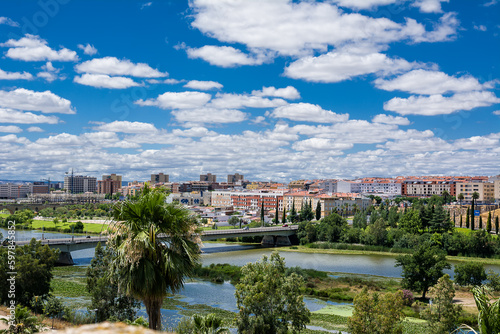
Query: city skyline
x=274, y=90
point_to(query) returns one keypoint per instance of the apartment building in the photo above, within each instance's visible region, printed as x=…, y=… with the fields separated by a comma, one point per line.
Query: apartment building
x=496, y=184
x=11, y=190
x=427, y=188
x=376, y=186
x=159, y=178
x=248, y=200
x=77, y=184
x=486, y=191
x=208, y=178
x=110, y=184
x=235, y=178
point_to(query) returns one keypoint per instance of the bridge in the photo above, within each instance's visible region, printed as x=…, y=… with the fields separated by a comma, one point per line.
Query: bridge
x=272, y=236
x=35, y=207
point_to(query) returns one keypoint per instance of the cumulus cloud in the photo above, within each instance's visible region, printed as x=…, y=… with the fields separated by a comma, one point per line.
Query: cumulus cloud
x=430, y=82
x=292, y=28
x=10, y=129
x=440, y=105
x=115, y=66
x=203, y=85
x=322, y=144
x=363, y=4
x=177, y=100
x=244, y=101
x=339, y=66
x=19, y=117
x=429, y=6
x=15, y=75
x=105, y=81
x=307, y=112
x=50, y=73
x=127, y=127
x=226, y=56
x=33, y=48
x=25, y=99
x=34, y=129
x=289, y=92
x=388, y=119
x=208, y=116
x=496, y=112
x=444, y=30
x=8, y=21
x=88, y=49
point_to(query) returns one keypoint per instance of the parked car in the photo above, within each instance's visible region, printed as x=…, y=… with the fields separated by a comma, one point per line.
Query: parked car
x=285, y=225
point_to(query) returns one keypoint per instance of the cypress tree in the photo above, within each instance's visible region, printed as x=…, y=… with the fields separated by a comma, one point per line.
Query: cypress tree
x=283, y=219
x=496, y=224
x=488, y=223
x=480, y=222
x=318, y=211
x=461, y=221
x=467, y=219
x=262, y=213
x=276, y=221
x=293, y=213
x=472, y=215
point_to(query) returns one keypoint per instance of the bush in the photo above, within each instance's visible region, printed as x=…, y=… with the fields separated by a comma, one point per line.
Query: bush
x=469, y=273
x=408, y=298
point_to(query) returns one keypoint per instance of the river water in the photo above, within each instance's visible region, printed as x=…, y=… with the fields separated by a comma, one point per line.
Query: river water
x=222, y=295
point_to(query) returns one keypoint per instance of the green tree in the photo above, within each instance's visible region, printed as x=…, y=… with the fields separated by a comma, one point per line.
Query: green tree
x=489, y=311
x=283, y=219
x=470, y=273
x=440, y=221
x=461, y=221
x=199, y=324
x=496, y=225
x=376, y=314
x=53, y=308
x=268, y=300
x=331, y=228
x=488, y=223
x=359, y=220
x=276, y=210
x=34, y=264
x=233, y=221
x=103, y=290
x=443, y=315
x=475, y=196
x=293, y=213
x=376, y=233
x=460, y=197
x=423, y=268
x=24, y=322
x=262, y=213
x=318, y=211
x=156, y=247
x=410, y=222
x=306, y=232
x=480, y=222
x=467, y=219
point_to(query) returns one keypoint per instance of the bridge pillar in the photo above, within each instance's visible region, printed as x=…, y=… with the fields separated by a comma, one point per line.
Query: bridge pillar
x=267, y=240
x=283, y=241
x=65, y=259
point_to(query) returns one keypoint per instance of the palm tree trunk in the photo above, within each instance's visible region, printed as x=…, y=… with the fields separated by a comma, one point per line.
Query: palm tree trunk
x=153, y=309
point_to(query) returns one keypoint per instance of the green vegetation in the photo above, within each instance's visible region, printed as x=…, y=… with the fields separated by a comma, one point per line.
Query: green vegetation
x=69, y=227
x=146, y=266
x=268, y=299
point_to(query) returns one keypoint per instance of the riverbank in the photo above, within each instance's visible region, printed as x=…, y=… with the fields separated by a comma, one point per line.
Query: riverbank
x=305, y=249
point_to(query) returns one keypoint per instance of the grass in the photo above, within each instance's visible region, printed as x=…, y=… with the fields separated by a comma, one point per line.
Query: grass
x=87, y=227
x=69, y=282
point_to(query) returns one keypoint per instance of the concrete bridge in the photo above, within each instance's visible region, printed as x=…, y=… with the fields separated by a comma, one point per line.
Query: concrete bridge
x=272, y=236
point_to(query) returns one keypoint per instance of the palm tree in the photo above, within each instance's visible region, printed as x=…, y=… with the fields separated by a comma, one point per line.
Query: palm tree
x=461, y=197
x=475, y=195
x=489, y=311
x=155, y=249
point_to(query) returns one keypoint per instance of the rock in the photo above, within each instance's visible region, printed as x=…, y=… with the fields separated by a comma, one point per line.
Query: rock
x=109, y=328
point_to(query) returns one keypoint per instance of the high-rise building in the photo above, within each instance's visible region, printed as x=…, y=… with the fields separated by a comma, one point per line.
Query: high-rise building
x=208, y=178
x=110, y=184
x=159, y=178
x=76, y=184
x=234, y=178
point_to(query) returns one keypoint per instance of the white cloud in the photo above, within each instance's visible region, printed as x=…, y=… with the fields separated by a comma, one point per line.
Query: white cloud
x=234, y=101
x=477, y=142
x=35, y=129
x=320, y=144
x=14, y=139
x=15, y=75
x=127, y=127
x=8, y=21
x=363, y=4
x=177, y=100
x=480, y=27
x=50, y=73
x=417, y=145
x=105, y=81
x=191, y=117
x=166, y=81
x=388, y=119
x=289, y=92
x=203, y=85
x=444, y=30
x=33, y=48
x=339, y=66
x=293, y=28
x=307, y=112
x=496, y=112
x=15, y=116
x=10, y=129
x=88, y=49
x=146, y=4
x=429, y=6
x=226, y=56
x=46, y=102
x=115, y=66
x=430, y=82
x=261, y=120
x=60, y=140
x=440, y=105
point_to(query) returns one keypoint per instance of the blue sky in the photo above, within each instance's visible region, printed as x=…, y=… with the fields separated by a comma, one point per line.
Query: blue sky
x=272, y=89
